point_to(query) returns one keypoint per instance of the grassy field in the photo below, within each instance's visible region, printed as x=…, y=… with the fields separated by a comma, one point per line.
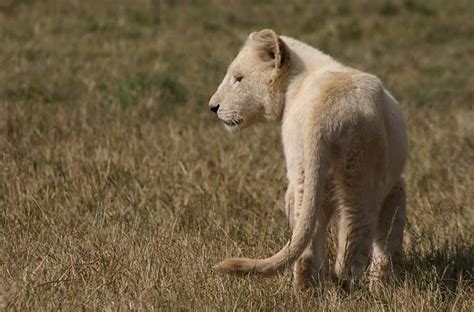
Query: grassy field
x=119, y=189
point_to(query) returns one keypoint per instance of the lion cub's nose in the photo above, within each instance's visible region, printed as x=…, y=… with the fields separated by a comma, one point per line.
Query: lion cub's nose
x=215, y=108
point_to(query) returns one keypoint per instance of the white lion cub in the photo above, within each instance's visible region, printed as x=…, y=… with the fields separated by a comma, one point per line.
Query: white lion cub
x=345, y=147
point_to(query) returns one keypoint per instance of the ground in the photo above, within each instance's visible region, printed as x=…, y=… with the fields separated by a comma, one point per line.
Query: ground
x=119, y=189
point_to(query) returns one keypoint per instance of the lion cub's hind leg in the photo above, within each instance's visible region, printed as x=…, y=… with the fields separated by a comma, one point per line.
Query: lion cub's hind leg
x=356, y=230
x=357, y=210
x=312, y=268
x=389, y=236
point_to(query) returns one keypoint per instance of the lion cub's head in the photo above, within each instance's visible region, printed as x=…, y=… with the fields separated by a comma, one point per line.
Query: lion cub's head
x=254, y=86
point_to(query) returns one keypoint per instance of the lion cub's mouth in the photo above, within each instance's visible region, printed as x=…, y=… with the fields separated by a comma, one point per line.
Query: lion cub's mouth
x=232, y=125
x=232, y=122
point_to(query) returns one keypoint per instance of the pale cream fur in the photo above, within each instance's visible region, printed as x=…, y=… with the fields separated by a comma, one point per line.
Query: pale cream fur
x=345, y=147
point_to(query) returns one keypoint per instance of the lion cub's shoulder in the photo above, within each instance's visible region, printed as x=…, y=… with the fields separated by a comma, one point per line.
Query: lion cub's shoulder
x=349, y=82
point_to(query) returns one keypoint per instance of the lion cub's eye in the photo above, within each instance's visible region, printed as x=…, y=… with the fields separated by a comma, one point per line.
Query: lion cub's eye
x=238, y=78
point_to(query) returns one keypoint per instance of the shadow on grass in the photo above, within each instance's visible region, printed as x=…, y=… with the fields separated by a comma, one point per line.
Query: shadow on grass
x=449, y=267
x=446, y=270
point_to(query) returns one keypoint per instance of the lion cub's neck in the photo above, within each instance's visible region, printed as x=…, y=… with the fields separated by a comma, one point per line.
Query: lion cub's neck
x=305, y=57
x=306, y=64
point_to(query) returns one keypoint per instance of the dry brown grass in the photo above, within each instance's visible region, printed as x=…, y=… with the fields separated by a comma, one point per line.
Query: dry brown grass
x=118, y=189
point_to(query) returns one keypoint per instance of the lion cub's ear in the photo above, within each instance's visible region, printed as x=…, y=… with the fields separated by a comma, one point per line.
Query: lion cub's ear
x=270, y=47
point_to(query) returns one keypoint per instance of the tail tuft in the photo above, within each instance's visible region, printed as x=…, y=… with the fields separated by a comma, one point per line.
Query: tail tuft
x=238, y=266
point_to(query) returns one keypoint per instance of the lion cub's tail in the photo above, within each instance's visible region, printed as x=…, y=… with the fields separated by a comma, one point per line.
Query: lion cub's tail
x=315, y=148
